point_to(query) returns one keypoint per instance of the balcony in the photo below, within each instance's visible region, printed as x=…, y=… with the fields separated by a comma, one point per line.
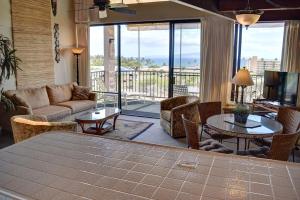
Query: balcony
x=142, y=90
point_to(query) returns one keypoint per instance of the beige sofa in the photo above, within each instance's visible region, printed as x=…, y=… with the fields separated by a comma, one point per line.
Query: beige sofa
x=52, y=101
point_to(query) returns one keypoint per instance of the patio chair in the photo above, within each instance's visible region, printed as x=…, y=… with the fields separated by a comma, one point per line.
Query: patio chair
x=27, y=126
x=171, y=110
x=192, y=137
x=206, y=110
x=281, y=147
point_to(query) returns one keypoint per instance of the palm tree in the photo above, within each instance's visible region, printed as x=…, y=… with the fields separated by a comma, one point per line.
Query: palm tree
x=9, y=64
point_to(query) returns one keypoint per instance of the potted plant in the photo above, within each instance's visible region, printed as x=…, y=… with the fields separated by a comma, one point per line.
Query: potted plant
x=9, y=63
x=241, y=113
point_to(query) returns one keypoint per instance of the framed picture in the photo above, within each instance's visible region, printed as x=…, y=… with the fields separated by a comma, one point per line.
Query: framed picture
x=54, y=6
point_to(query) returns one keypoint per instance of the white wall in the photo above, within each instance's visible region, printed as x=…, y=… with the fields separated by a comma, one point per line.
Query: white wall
x=5, y=29
x=65, y=69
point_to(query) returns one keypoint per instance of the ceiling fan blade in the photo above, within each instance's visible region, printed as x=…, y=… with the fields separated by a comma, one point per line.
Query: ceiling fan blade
x=271, y=2
x=124, y=11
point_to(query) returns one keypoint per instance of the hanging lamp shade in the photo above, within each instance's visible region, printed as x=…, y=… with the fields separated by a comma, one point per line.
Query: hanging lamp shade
x=248, y=16
x=77, y=50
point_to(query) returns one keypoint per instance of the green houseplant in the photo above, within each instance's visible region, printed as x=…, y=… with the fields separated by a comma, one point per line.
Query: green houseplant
x=241, y=113
x=9, y=64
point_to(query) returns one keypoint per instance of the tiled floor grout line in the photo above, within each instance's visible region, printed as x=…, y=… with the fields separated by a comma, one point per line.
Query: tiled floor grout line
x=154, y=193
x=206, y=180
x=69, y=179
x=297, y=195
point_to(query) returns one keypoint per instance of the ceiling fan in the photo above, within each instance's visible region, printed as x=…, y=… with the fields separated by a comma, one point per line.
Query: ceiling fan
x=104, y=5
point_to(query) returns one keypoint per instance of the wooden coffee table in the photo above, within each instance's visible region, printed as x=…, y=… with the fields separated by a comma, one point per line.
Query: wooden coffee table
x=99, y=117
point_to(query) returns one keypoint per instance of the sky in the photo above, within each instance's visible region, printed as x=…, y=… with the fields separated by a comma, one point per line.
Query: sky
x=262, y=41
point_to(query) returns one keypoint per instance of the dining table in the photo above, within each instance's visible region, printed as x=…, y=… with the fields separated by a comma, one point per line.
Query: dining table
x=65, y=165
x=256, y=127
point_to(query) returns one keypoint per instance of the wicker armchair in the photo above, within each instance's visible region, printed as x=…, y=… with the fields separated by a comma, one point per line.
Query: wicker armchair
x=192, y=137
x=171, y=110
x=281, y=147
x=290, y=120
x=206, y=110
x=26, y=126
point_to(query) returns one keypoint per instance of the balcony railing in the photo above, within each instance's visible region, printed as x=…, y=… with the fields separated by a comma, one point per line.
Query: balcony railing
x=154, y=84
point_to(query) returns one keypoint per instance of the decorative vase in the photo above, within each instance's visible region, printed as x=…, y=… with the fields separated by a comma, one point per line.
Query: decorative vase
x=241, y=117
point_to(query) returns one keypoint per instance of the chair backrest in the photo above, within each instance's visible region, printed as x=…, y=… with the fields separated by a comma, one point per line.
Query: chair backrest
x=208, y=109
x=290, y=119
x=191, y=132
x=180, y=90
x=282, y=146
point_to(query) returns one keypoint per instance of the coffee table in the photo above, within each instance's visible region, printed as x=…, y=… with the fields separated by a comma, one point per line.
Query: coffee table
x=98, y=117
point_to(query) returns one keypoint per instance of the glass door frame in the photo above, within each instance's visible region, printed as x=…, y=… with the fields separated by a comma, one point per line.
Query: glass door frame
x=172, y=24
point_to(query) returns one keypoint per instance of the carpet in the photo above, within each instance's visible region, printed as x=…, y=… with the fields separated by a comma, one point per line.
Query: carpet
x=127, y=129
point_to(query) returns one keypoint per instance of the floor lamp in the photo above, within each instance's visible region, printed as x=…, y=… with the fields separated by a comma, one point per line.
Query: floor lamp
x=77, y=52
x=243, y=79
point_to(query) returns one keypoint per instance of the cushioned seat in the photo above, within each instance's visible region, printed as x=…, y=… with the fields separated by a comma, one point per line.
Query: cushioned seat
x=166, y=114
x=53, y=113
x=78, y=105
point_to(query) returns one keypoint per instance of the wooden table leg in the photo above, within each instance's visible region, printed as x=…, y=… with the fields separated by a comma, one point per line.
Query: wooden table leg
x=237, y=144
x=114, y=123
x=82, y=126
x=245, y=144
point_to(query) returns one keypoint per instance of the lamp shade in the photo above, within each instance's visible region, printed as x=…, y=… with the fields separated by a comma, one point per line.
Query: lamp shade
x=77, y=51
x=243, y=78
x=247, y=19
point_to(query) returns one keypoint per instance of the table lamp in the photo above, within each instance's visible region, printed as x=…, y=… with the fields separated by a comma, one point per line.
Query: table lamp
x=77, y=52
x=243, y=79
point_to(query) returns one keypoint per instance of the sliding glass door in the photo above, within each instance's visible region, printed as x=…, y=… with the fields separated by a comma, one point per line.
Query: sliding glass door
x=144, y=66
x=186, y=76
x=135, y=66
x=103, y=64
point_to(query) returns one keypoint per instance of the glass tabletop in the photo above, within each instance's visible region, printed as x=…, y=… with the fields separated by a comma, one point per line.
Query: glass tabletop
x=267, y=127
x=99, y=114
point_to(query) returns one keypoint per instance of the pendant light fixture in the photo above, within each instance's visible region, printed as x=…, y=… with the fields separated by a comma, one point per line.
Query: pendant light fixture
x=248, y=16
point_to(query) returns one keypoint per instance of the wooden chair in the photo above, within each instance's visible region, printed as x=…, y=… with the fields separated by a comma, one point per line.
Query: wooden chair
x=206, y=110
x=192, y=138
x=281, y=147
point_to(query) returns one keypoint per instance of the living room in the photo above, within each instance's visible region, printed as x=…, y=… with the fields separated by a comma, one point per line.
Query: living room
x=149, y=99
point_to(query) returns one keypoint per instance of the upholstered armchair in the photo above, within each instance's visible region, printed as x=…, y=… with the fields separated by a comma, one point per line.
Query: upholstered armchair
x=171, y=110
x=26, y=126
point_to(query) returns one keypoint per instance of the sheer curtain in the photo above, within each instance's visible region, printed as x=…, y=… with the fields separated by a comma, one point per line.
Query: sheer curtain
x=291, y=48
x=216, y=59
x=82, y=18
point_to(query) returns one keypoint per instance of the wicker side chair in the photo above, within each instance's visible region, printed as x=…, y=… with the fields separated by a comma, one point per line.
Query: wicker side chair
x=27, y=126
x=192, y=138
x=281, y=147
x=206, y=110
x=290, y=120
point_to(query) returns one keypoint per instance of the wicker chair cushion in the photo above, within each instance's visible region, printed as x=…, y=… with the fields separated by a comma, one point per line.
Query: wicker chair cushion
x=215, y=146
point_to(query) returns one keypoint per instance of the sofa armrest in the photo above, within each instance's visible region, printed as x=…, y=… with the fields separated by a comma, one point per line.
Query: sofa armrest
x=93, y=96
x=186, y=109
x=171, y=103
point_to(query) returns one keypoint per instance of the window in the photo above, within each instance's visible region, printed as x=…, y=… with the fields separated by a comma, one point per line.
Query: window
x=261, y=50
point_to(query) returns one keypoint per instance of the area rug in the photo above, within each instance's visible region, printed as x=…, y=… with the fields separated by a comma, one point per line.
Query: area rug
x=127, y=129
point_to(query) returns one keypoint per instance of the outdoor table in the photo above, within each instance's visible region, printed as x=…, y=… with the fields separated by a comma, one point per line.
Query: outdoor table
x=65, y=165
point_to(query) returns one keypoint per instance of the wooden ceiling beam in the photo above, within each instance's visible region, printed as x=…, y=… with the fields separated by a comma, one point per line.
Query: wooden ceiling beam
x=234, y=5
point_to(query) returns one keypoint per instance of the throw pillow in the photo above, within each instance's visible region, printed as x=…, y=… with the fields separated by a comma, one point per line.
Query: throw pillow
x=19, y=101
x=81, y=93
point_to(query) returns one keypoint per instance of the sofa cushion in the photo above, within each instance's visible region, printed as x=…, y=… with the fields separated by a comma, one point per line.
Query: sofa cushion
x=35, y=97
x=19, y=101
x=79, y=105
x=81, y=93
x=53, y=113
x=59, y=93
x=166, y=114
